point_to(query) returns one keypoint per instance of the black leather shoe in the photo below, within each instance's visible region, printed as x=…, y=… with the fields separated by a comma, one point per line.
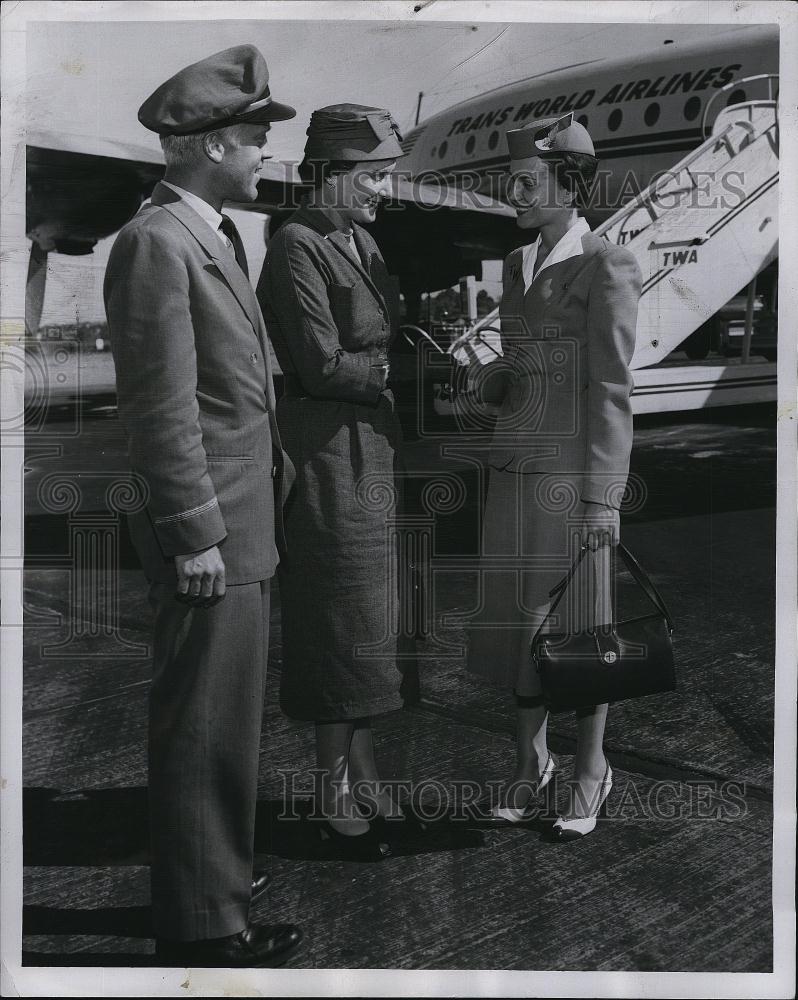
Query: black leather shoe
x=368, y=846
x=260, y=883
x=258, y=946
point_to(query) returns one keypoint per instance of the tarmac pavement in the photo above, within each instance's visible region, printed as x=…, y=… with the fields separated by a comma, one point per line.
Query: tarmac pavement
x=676, y=878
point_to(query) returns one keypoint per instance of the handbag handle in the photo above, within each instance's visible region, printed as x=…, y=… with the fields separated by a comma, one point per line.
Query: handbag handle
x=645, y=583
x=637, y=572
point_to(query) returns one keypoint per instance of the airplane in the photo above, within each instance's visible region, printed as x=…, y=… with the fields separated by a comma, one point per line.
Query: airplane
x=643, y=120
x=689, y=115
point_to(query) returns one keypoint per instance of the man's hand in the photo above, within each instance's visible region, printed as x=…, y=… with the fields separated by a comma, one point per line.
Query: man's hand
x=599, y=526
x=200, y=578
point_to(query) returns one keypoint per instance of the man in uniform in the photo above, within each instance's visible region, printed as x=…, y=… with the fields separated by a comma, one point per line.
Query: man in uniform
x=196, y=400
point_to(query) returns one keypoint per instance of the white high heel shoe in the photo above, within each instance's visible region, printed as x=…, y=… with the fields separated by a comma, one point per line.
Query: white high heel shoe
x=509, y=814
x=581, y=826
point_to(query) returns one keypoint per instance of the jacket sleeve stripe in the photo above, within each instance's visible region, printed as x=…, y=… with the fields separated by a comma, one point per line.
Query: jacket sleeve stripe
x=193, y=512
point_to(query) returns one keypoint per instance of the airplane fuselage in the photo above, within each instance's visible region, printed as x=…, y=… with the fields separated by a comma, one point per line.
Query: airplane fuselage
x=643, y=114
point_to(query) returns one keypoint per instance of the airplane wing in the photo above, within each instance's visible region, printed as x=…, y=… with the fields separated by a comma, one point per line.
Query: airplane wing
x=75, y=197
x=82, y=189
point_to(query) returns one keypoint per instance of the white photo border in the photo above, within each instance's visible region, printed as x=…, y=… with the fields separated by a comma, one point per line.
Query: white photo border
x=75, y=981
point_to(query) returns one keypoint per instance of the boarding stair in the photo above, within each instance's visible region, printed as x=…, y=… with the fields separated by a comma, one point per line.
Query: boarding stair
x=700, y=233
x=705, y=229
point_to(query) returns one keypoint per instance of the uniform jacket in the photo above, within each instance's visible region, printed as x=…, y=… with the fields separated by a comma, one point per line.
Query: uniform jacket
x=195, y=394
x=564, y=382
x=329, y=315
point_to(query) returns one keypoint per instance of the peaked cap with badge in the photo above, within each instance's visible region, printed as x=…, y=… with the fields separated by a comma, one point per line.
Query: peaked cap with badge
x=228, y=88
x=352, y=132
x=550, y=135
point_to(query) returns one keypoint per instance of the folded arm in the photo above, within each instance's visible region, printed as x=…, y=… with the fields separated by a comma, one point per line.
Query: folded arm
x=293, y=290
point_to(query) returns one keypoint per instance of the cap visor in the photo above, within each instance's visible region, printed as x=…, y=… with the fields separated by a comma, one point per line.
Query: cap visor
x=271, y=112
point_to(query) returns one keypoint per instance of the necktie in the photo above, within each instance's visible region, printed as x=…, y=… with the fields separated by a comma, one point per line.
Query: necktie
x=227, y=228
x=350, y=239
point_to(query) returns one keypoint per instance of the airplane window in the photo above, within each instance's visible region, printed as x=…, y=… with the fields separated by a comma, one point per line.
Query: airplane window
x=470, y=143
x=692, y=107
x=493, y=140
x=651, y=114
x=433, y=151
x=442, y=149
x=582, y=120
x=615, y=119
x=736, y=97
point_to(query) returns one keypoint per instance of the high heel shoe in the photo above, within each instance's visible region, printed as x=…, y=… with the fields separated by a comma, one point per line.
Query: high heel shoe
x=402, y=827
x=510, y=815
x=368, y=846
x=565, y=830
x=400, y=822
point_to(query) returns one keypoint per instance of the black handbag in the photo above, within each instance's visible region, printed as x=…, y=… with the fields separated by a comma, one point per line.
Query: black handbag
x=612, y=662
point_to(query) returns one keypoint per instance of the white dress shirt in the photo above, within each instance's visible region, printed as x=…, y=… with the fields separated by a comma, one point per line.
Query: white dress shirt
x=203, y=210
x=569, y=245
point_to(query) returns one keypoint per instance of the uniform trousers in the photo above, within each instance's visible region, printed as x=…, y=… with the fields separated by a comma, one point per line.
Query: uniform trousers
x=205, y=716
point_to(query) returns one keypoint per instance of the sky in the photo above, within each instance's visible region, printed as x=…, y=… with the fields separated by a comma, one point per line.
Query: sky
x=88, y=78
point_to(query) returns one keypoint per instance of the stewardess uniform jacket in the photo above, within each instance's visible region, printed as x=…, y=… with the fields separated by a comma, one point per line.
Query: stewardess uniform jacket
x=561, y=443
x=564, y=383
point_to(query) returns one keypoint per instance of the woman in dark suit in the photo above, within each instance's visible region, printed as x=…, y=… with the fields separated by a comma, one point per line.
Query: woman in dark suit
x=331, y=311
x=560, y=454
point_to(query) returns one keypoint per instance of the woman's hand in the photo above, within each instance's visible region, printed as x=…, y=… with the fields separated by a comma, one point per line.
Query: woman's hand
x=600, y=525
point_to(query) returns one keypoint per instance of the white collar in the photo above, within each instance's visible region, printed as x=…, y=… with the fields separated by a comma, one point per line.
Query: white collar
x=200, y=206
x=569, y=245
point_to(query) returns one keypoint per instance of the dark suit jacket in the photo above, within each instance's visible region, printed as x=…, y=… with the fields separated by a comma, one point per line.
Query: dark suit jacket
x=195, y=392
x=329, y=317
x=565, y=381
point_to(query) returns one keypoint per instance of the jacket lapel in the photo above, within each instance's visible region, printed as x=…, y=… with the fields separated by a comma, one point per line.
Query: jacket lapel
x=322, y=224
x=367, y=269
x=223, y=258
x=551, y=283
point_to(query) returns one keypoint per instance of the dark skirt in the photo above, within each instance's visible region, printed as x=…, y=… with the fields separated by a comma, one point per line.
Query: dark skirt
x=339, y=582
x=529, y=544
